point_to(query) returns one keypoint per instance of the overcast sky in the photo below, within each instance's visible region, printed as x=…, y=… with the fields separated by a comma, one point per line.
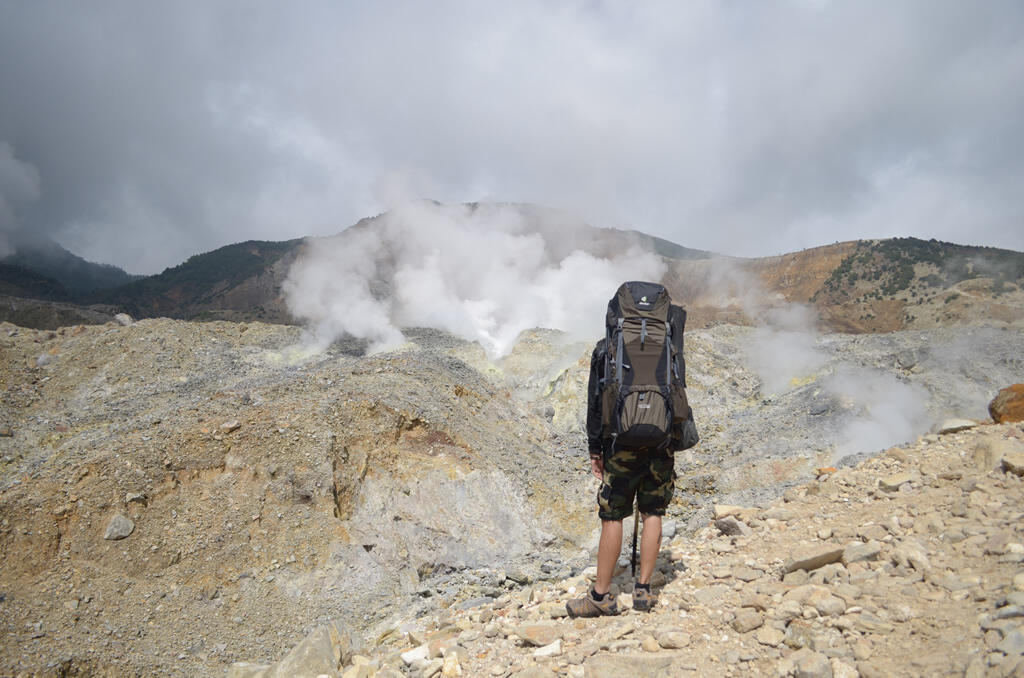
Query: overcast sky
x=140, y=133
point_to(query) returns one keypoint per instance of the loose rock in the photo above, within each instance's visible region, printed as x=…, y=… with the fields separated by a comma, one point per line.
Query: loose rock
x=730, y=526
x=725, y=510
x=1008, y=405
x=539, y=635
x=673, y=639
x=811, y=557
x=956, y=425
x=769, y=636
x=1013, y=462
x=747, y=620
x=893, y=483
x=860, y=552
x=119, y=527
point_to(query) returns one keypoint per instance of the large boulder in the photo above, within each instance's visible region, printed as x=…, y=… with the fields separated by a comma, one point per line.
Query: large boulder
x=1008, y=405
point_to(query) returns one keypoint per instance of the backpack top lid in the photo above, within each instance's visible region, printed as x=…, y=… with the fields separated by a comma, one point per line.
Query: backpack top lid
x=639, y=298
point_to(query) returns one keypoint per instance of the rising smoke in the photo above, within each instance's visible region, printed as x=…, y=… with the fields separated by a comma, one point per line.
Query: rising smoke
x=785, y=352
x=886, y=411
x=783, y=349
x=482, y=272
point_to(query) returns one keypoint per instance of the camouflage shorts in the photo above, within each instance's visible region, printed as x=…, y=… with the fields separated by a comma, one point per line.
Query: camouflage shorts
x=649, y=476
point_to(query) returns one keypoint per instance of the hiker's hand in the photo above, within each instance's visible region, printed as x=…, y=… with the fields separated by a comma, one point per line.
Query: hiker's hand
x=597, y=467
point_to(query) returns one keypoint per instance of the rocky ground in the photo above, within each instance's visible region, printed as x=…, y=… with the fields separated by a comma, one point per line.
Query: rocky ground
x=909, y=564
x=176, y=497
x=51, y=314
x=263, y=488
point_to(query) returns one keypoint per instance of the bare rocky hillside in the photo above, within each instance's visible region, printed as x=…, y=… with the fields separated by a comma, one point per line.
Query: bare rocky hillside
x=177, y=497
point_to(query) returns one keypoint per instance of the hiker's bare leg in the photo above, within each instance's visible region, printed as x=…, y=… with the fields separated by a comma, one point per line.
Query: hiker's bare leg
x=650, y=543
x=608, y=550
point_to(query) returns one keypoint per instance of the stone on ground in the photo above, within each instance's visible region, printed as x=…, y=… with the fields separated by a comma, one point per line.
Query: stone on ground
x=860, y=552
x=894, y=482
x=1013, y=462
x=1008, y=405
x=248, y=670
x=747, y=620
x=725, y=510
x=956, y=425
x=119, y=527
x=731, y=527
x=673, y=639
x=811, y=557
x=321, y=652
x=539, y=635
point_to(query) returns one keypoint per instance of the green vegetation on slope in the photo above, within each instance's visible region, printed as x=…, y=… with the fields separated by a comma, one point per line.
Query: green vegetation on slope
x=77, y=277
x=199, y=278
x=18, y=281
x=889, y=266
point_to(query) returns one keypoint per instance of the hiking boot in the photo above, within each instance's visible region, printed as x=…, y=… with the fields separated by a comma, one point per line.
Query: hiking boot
x=643, y=599
x=586, y=606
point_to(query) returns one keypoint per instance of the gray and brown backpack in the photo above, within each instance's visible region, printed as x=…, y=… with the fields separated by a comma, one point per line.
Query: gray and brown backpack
x=643, y=389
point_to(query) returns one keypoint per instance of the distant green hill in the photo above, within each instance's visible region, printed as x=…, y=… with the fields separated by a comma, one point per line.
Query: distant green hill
x=911, y=264
x=190, y=288
x=18, y=281
x=79, y=278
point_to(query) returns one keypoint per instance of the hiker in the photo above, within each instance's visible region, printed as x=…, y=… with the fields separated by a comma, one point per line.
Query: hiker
x=644, y=467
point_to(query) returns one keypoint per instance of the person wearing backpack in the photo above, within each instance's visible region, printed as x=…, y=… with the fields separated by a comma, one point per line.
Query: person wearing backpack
x=637, y=416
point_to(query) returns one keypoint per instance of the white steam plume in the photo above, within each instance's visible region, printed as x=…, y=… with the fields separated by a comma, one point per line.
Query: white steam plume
x=784, y=350
x=889, y=411
x=485, y=273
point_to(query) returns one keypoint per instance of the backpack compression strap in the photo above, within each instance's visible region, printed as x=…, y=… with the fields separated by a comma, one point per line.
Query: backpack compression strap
x=619, y=348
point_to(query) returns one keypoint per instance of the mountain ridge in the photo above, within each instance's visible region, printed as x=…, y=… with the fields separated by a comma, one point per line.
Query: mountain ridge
x=855, y=286
x=78, y=277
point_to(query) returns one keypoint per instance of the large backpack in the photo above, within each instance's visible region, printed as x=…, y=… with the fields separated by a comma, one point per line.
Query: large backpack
x=643, y=390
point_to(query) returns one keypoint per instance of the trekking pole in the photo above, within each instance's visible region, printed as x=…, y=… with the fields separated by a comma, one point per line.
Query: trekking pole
x=636, y=524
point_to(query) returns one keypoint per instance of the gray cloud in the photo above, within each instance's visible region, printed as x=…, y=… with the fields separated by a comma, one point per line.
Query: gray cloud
x=19, y=185
x=158, y=131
